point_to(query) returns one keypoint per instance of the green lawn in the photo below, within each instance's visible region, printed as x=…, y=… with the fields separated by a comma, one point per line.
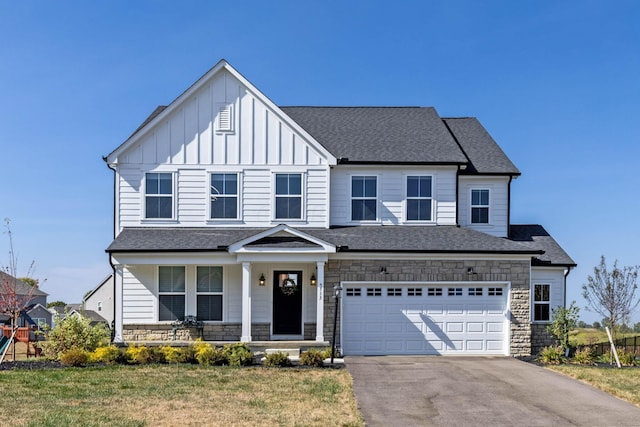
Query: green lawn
x=589, y=336
x=623, y=383
x=163, y=395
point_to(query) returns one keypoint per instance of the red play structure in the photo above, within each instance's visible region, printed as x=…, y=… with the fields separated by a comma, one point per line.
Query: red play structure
x=25, y=334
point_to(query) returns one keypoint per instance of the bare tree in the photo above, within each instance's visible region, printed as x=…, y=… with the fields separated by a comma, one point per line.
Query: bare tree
x=612, y=293
x=15, y=295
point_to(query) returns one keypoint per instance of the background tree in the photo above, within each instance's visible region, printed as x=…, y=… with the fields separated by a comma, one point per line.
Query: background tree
x=15, y=294
x=56, y=304
x=29, y=281
x=597, y=325
x=612, y=293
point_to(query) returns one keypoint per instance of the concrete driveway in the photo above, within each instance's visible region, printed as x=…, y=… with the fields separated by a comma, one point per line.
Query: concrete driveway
x=478, y=391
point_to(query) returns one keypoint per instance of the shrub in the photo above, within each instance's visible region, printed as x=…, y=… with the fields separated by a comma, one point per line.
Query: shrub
x=313, y=357
x=74, y=331
x=585, y=356
x=552, y=355
x=177, y=354
x=75, y=356
x=208, y=355
x=278, y=358
x=627, y=358
x=144, y=355
x=109, y=354
x=238, y=354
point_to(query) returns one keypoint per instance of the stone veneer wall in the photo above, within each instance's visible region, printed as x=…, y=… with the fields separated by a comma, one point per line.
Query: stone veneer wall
x=516, y=272
x=211, y=332
x=540, y=338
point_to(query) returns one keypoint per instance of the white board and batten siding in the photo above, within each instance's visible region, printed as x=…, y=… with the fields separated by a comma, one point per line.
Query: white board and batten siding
x=425, y=318
x=391, y=193
x=498, y=204
x=189, y=143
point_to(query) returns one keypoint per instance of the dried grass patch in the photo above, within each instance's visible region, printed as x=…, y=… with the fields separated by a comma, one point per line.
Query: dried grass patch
x=180, y=395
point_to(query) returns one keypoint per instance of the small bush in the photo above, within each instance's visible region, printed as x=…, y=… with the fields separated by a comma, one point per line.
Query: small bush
x=238, y=354
x=313, y=357
x=107, y=354
x=278, y=358
x=208, y=355
x=627, y=358
x=177, y=354
x=73, y=331
x=144, y=355
x=552, y=355
x=75, y=356
x=585, y=356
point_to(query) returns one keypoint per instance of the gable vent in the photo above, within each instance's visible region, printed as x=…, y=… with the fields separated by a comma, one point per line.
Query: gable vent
x=225, y=118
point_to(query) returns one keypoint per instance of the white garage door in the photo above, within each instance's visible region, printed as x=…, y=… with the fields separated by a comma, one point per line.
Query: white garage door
x=424, y=319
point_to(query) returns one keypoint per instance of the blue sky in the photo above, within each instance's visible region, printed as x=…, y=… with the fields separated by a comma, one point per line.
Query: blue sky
x=557, y=84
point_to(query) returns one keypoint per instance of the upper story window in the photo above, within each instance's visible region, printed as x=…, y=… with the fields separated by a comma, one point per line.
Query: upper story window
x=419, y=197
x=209, y=289
x=480, y=206
x=171, y=293
x=364, y=198
x=288, y=196
x=158, y=195
x=224, y=196
x=541, y=302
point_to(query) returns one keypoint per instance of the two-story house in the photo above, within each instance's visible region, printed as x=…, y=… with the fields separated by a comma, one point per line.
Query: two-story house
x=246, y=215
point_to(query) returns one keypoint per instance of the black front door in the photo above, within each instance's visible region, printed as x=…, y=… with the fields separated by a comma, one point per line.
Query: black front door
x=287, y=302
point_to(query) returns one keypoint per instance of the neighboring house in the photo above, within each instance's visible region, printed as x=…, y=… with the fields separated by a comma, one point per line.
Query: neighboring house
x=246, y=215
x=35, y=307
x=100, y=300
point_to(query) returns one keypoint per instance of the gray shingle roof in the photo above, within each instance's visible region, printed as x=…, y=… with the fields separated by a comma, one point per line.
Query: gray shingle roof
x=536, y=237
x=380, y=134
x=485, y=155
x=21, y=287
x=429, y=239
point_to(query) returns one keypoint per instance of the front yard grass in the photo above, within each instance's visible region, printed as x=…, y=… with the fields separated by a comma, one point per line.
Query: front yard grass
x=168, y=395
x=623, y=383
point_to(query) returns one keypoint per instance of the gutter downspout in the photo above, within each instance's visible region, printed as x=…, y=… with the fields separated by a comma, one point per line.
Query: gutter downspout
x=565, y=286
x=509, y=206
x=113, y=268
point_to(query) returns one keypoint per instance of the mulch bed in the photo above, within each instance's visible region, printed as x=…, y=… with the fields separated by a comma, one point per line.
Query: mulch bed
x=35, y=364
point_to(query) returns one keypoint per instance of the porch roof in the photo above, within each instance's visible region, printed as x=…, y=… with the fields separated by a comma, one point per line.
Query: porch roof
x=396, y=238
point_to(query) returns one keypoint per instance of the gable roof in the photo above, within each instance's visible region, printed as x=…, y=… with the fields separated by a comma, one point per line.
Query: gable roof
x=104, y=281
x=535, y=236
x=161, y=112
x=401, y=135
x=21, y=287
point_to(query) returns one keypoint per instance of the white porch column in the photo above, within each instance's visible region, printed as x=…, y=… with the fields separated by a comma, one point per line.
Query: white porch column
x=117, y=306
x=320, y=303
x=246, y=302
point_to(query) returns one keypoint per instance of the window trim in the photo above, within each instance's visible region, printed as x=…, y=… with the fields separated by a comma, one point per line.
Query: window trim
x=535, y=303
x=303, y=197
x=376, y=198
x=159, y=292
x=174, y=196
x=472, y=206
x=222, y=293
x=407, y=198
x=238, y=196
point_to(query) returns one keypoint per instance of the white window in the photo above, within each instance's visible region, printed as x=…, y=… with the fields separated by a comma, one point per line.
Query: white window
x=158, y=195
x=364, y=200
x=475, y=292
x=434, y=292
x=495, y=292
x=354, y=292
x=210, y=293
x=480, y=206
x=225, y=118
x=394, y=292
x=171, y=293
x=419, y=198
x=288, y=196
x=454, y=292
x=374, y=292
x=541, y=295
x=224, y=196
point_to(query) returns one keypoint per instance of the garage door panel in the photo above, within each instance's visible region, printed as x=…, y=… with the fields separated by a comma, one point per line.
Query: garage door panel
x=475, y=327
x=399, y=320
